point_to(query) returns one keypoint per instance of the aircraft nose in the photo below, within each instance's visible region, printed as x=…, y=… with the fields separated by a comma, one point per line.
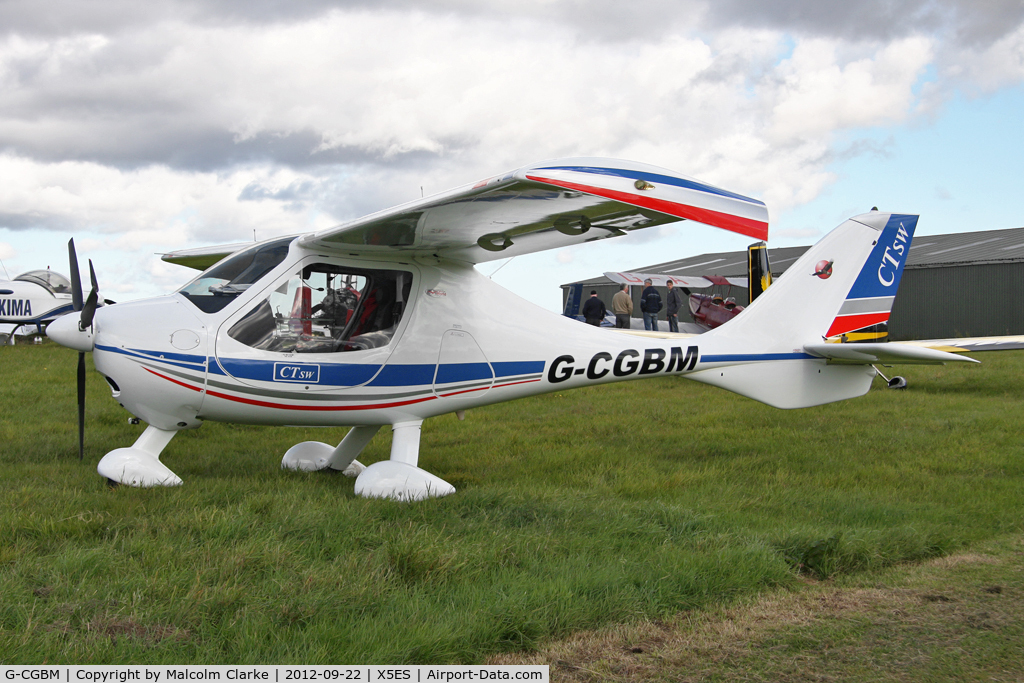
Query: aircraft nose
x=64, y=330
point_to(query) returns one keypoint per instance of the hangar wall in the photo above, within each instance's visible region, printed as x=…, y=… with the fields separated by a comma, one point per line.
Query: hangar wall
x=981, y=300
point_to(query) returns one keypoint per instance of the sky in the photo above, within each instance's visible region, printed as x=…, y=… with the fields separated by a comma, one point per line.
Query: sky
x=142, y=127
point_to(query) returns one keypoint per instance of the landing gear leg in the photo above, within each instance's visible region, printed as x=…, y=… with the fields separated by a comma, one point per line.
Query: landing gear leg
x=140, y=465
x=896, y=382
x=311, y=456
x=399, y=478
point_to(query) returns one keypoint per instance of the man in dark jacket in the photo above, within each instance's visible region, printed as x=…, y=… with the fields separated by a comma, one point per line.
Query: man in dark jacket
x=673, y=302
x=650, y=304
x=594, y=310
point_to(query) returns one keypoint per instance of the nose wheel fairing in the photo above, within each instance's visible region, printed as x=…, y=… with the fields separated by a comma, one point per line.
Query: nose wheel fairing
x=140, y=464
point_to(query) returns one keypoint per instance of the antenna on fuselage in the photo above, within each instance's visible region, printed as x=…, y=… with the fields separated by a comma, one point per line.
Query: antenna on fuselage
x=5, y=269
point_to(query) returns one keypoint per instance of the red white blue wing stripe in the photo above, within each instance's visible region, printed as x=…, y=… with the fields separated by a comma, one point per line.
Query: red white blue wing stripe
x=670, y=195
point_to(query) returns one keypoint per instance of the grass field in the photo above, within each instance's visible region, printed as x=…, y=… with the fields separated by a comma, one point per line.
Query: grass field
x=576, y=511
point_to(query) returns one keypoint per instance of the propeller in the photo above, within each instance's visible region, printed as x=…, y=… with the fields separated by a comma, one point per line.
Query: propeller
x=88, y=310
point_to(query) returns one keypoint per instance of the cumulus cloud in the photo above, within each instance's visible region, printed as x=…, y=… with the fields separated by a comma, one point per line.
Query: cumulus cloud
x=178, y=122
x=153, y=205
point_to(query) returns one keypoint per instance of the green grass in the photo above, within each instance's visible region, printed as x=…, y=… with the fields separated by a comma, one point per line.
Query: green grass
x=575, y=510
x=955, y=618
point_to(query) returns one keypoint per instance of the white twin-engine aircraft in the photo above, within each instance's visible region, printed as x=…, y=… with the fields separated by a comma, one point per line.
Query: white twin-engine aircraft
x=384, y=321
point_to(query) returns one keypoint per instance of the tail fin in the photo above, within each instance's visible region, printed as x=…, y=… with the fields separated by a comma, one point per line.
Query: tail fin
x=847, y=281
x=773, y=352
x=864, y=315
x=844, y=284
x=759, y=272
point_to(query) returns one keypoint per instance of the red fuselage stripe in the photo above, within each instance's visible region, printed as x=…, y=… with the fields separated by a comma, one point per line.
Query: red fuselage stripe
x=726, y=221
x=284, y=406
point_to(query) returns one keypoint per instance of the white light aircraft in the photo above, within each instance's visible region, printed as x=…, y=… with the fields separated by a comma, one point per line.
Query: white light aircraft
x=385, y=321
x=37, y=298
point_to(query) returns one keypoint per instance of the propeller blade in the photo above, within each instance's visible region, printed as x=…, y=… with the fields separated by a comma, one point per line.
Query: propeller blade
x=89, y=309
x=81, y=406
x=76, y=279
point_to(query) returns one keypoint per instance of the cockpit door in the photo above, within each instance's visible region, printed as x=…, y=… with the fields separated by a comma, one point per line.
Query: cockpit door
x=324, y=325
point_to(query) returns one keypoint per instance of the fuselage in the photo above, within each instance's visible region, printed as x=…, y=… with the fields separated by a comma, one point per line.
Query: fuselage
x=283, y=334
x=460, y=341
x=34, y=298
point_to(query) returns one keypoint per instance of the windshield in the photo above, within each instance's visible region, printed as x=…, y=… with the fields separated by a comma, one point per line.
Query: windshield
x=222, y=282
x=54, y=282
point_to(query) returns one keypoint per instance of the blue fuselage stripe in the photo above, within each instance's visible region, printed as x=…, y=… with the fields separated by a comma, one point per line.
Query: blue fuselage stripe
x=519, y=367
x=343, y=374
x=49, y=315
x=740, y=357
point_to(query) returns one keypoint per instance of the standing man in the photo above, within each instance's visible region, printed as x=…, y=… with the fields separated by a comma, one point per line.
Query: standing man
x=673, y=302
x=594, y=310
x=622, y=306
x=650, y=304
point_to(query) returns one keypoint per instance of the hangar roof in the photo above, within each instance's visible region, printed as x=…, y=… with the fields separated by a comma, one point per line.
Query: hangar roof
x=926, y=251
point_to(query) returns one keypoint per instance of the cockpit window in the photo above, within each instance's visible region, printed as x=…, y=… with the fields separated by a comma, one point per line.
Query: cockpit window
x=222, y=282
x=54, y=282
x=327, y=309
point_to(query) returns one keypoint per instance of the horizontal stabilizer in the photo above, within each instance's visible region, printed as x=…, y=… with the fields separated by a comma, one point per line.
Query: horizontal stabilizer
x=886, y=353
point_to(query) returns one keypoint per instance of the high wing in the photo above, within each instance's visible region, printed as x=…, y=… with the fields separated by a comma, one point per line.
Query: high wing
x=202, y=258
x=689, y=281
x=544, y=206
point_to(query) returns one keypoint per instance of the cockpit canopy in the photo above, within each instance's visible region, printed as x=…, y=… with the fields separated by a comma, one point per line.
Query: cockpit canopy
x=55, y=283
x=222, y=282
x=327, y=308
